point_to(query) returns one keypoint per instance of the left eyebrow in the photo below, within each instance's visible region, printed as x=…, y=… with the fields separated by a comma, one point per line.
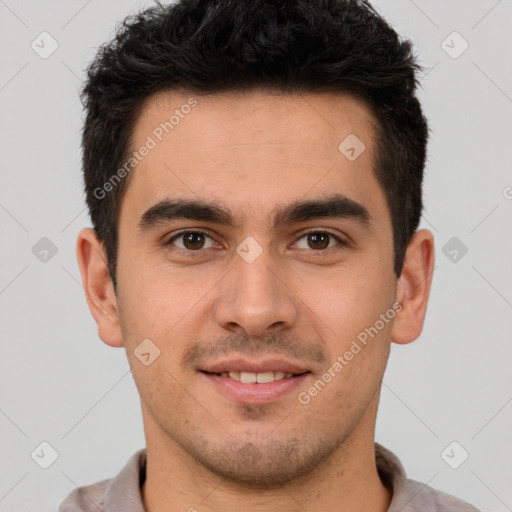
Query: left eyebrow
x=332, y=206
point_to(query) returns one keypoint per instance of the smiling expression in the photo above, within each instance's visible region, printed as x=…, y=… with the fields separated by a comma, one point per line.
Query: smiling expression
x=252, y=252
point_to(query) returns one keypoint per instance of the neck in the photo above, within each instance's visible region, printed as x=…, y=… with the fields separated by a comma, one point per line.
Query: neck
x=347, y=481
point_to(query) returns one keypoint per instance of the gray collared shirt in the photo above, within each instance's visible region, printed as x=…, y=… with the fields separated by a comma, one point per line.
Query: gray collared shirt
x=123, y=493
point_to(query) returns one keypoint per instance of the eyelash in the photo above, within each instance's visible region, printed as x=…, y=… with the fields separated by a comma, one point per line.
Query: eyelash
x=313, y=231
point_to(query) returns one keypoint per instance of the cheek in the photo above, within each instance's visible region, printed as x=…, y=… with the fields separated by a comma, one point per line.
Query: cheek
x=159, y=321
x=348, y=299
x=162, y=304
x=353, y=318
x=346, y=313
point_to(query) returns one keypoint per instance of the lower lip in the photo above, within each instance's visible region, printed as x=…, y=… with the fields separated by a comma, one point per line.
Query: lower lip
x=255, y=393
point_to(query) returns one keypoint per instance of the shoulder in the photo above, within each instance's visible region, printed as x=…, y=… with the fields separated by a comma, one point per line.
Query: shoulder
x=119, y=493
x=88, y=498
x=410, y=495
x=418, y=496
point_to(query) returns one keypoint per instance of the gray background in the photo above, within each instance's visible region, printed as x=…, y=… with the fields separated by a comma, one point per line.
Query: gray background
x=60, y=384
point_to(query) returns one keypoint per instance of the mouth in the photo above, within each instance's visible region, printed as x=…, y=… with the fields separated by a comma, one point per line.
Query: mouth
x=255, y=377
x=261, y=382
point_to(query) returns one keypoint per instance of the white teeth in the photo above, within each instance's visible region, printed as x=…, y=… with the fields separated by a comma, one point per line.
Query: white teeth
x=265, y=377
x=247, y=377
x=260, y=377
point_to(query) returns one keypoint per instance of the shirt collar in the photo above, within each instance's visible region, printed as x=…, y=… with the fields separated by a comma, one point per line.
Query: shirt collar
x=123, y=494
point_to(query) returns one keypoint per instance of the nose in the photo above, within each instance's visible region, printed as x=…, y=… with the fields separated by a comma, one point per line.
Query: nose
x=254, y=297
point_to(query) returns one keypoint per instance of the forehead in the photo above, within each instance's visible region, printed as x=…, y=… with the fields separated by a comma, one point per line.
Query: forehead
x=253, y=149
x=270, y=116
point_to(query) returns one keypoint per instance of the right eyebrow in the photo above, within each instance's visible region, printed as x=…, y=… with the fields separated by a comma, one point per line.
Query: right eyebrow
x=168, y=210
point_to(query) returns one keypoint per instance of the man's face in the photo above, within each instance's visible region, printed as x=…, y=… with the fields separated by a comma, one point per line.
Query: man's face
x=260, y=294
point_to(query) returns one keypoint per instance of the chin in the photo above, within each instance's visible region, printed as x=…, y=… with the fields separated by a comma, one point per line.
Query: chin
x=264, y=466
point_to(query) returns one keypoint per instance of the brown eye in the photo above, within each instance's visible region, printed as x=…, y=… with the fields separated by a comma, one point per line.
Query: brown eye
x=193, y=241
x=318, y=240
x=190, y=240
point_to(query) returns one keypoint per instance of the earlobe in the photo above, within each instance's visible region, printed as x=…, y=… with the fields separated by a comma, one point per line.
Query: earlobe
x=98, y=287
x=413, y=288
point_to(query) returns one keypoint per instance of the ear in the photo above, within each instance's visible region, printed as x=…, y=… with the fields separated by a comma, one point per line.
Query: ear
x=98, y=287
x=413, y=288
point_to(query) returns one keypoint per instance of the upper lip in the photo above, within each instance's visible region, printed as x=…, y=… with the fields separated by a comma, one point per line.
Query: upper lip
x=259, y=366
